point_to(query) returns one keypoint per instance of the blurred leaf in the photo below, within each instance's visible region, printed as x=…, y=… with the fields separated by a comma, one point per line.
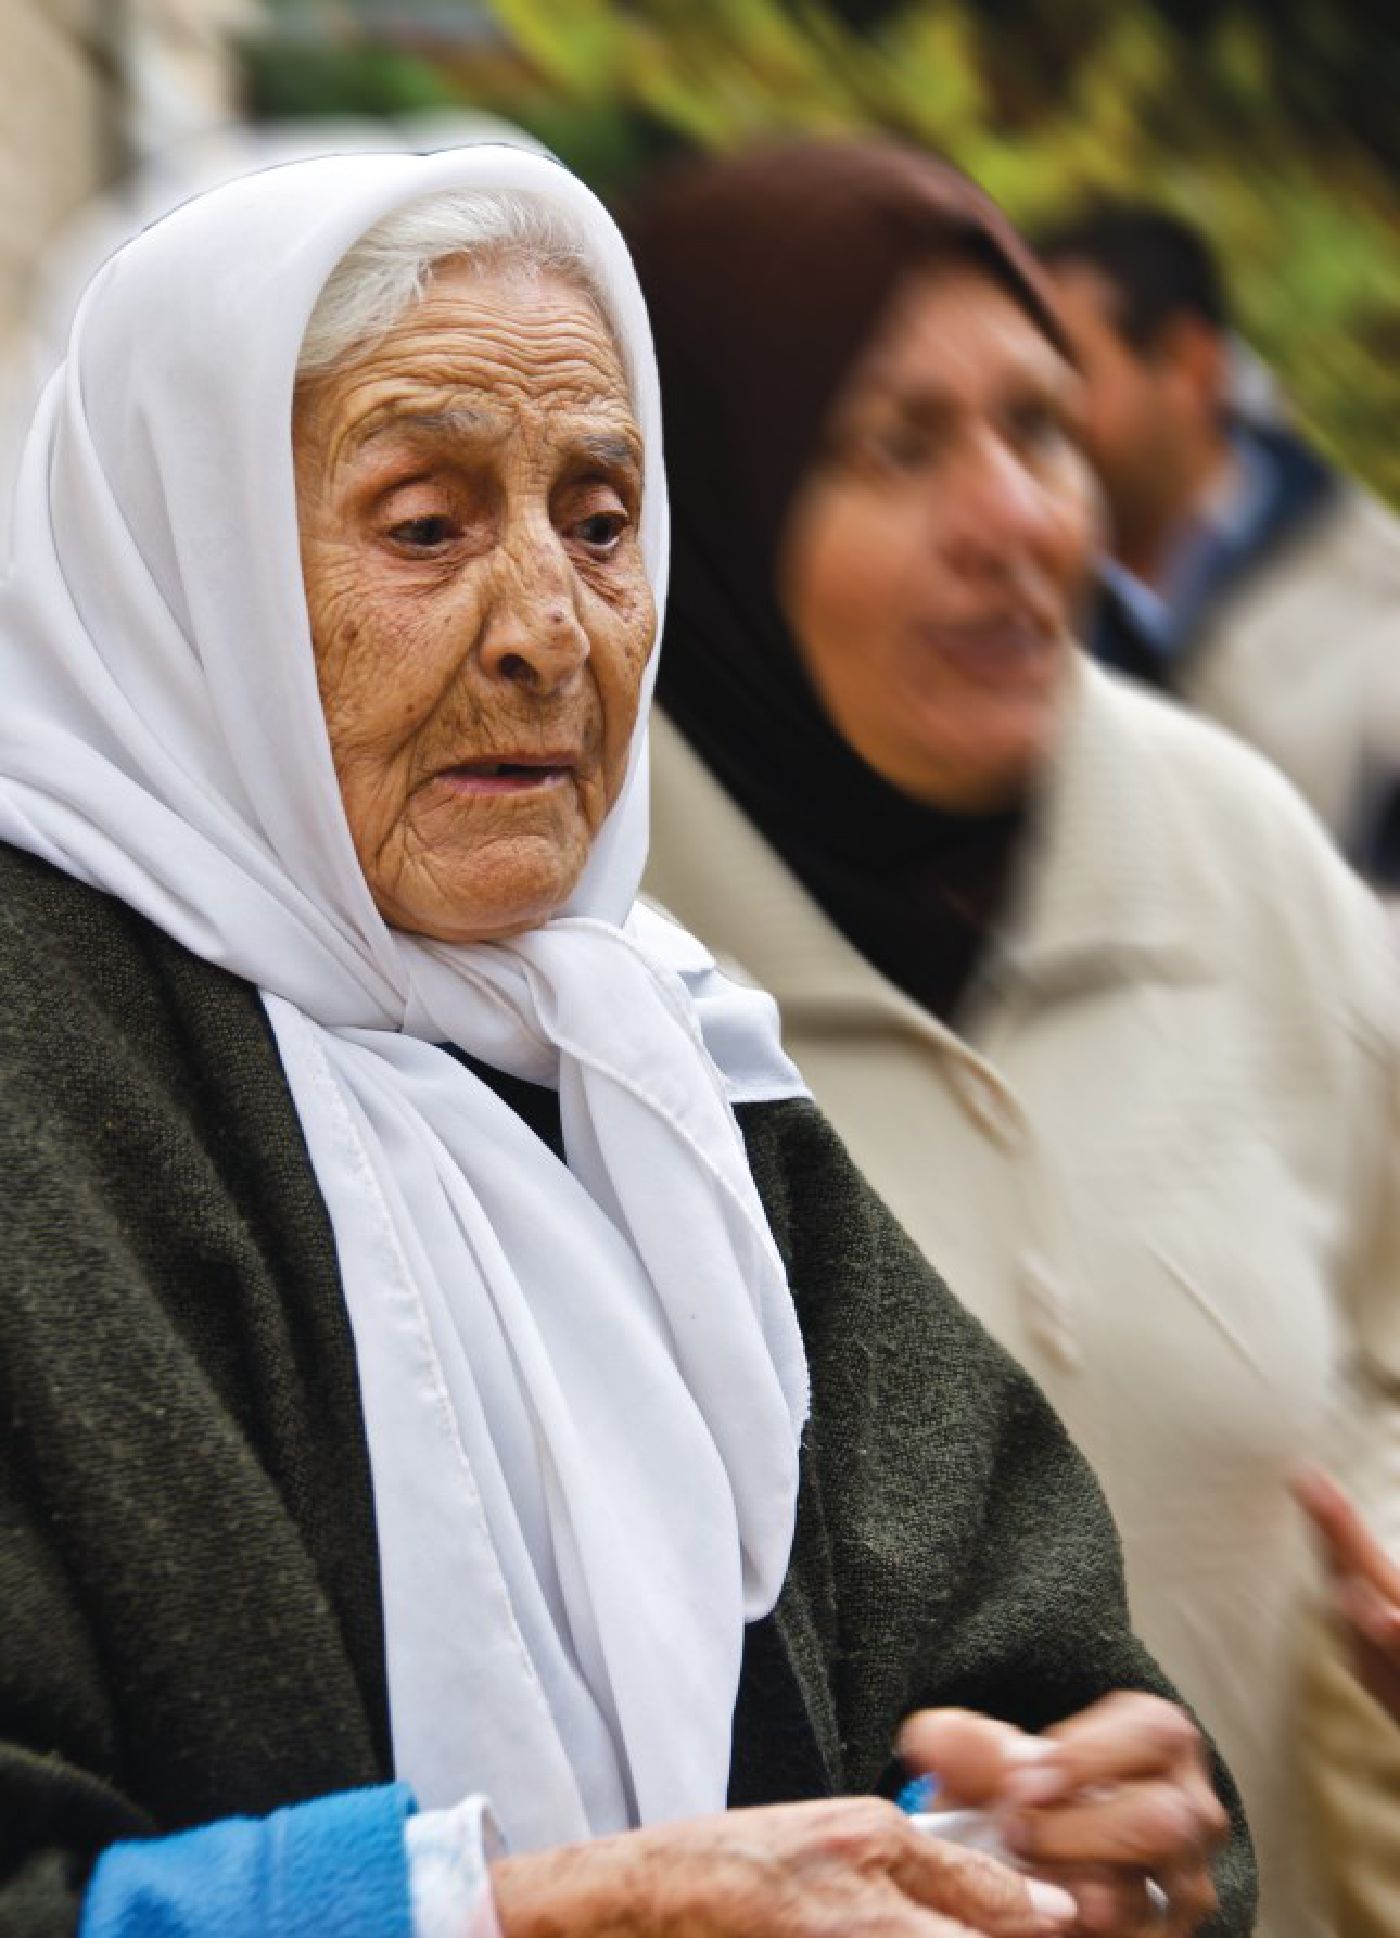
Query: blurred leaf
x=302, y=81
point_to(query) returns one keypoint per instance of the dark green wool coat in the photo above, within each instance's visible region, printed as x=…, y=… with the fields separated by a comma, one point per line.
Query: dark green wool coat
x=189, y=1601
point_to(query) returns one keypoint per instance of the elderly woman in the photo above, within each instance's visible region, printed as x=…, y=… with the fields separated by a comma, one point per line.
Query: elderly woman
x=413, y=1254
x=1077, y=979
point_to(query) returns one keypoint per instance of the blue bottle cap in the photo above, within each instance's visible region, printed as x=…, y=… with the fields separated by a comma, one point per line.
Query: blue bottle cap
x=918, y=1795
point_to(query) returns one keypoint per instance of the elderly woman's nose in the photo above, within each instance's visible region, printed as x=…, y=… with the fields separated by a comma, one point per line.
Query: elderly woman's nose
x=532, y=633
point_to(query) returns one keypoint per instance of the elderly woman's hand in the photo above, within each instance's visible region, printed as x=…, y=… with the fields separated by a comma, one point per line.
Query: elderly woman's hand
x=851, y=1868
x=1115, y=1799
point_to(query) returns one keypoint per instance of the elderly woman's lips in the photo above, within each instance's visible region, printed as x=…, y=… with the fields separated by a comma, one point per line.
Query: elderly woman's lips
x=506, y=776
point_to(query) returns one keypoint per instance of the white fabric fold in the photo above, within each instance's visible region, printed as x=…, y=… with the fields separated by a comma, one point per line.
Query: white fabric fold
x=583, y=1384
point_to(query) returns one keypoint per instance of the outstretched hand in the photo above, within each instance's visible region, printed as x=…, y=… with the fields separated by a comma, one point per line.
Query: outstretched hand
x=1365, y=1585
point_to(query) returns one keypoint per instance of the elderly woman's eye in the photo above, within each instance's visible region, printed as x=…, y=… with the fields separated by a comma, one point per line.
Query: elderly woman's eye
x=426, y=534
x=601, y=530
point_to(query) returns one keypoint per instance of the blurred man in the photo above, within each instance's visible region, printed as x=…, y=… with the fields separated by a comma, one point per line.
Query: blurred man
x=1248, y=577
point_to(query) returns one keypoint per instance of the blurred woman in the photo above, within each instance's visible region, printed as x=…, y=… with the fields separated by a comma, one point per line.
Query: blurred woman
x=1078, y=979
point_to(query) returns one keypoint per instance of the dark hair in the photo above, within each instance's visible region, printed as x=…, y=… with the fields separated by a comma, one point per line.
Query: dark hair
x=1159, y=266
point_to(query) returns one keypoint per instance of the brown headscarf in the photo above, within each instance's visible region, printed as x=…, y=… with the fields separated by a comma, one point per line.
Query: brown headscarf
x=766, y=275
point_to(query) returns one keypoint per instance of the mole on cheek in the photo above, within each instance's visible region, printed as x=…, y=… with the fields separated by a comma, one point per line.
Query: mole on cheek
x=344, y=642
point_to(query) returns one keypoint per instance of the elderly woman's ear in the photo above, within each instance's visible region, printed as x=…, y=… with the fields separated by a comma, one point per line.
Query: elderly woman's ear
x=468, y=493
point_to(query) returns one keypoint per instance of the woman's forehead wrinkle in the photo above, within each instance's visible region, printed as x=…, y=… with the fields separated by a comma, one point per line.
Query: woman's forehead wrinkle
x=478, y=330
x=456, y=375
x=395, y=428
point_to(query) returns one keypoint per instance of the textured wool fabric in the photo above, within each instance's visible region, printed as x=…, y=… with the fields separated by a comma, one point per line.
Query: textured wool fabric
x=767, y=275
x=163, y=739
x=189, y=1609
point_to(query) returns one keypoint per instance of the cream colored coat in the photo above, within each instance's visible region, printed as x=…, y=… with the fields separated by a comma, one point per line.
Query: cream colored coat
x=1302, y=660
x=1162, y=1168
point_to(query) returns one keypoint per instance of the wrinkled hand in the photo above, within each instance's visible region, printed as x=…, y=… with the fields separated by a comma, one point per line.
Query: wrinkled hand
x=1115, y=1797
x=1365, y=1585
x=852, y=1868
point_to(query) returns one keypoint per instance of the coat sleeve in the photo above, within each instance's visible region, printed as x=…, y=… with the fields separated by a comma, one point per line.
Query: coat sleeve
x=77, y=1854
x=79, y=1849
x=59, y=1802
x=182, y=1575
x=953, y=1546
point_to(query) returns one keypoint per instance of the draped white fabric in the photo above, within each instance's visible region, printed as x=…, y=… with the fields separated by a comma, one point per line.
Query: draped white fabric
x=583, y=1386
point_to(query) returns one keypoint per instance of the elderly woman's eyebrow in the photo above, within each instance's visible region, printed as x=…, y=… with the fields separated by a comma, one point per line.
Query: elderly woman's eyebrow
x=614, y=450
x=462, y=423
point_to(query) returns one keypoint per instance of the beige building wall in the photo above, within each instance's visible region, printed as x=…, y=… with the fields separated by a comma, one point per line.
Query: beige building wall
x=52, y=130
x=182, y=67
x=87, y=85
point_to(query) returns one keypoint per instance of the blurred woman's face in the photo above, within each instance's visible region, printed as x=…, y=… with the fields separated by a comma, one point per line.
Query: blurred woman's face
x=468, y=496
x=937, y=552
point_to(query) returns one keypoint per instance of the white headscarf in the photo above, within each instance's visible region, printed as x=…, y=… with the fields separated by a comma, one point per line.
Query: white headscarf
x=583, y=1386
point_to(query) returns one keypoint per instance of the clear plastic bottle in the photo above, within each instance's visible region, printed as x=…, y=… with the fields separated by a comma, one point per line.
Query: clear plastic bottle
x=975, y=1830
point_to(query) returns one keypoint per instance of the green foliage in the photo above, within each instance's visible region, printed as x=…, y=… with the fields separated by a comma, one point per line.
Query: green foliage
x=1083, y=96
x=295, y=81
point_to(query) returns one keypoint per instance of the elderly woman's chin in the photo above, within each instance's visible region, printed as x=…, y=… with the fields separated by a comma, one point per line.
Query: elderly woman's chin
x=465, y=869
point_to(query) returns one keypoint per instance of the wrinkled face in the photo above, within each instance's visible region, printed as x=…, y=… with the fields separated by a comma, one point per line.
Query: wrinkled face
x=1140, y=420
x=935, y=555
x=468, y=496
